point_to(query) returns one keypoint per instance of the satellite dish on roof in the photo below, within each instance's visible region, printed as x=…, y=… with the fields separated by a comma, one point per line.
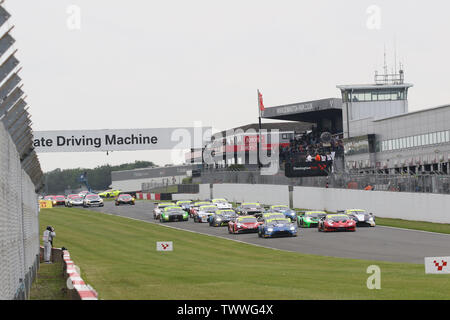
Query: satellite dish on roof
x=325, y=137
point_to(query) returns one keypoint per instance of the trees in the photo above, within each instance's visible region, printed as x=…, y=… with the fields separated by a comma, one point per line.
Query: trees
x=57, y=181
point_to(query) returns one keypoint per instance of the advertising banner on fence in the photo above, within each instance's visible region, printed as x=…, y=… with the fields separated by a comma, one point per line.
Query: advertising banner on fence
x=45, y=204
x=308, y=169
x=121, y=139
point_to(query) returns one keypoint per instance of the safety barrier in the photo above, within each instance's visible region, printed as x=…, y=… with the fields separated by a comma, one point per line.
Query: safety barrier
x=20, y=178
x=77, y=289
x=148, y=196
x=399, y=205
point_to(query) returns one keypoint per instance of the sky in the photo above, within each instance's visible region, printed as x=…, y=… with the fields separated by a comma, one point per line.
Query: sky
x=109, y=64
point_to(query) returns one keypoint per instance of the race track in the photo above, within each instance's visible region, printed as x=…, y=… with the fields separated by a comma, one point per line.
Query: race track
x=379, y=243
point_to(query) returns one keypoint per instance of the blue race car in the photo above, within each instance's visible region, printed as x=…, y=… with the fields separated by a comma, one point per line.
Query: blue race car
x=289, y=213
x=277, y=227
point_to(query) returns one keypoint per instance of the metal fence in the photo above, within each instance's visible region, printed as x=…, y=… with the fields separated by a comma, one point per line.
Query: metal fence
x=19, y=227
x=430, y=183
x=20, y=179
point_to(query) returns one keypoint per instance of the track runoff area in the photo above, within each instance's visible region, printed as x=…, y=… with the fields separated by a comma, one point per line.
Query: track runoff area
x=366, y=243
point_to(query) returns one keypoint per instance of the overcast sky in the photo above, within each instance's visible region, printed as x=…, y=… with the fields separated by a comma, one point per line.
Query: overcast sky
x=144, y=64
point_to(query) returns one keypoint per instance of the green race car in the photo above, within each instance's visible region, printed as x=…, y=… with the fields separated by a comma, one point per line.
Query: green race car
x=309, y=219
x=173, y=214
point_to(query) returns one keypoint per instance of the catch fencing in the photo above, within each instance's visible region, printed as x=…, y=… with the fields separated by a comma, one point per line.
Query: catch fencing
x=424, y=183
x=19, y=226
x=20, y=178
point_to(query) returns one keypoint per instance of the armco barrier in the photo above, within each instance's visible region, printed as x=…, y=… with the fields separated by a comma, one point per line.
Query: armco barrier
x=77, y=289
x=400, y=205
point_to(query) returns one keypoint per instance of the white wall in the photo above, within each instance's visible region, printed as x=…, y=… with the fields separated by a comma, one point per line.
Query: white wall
x=400, y=205
x=263, y=193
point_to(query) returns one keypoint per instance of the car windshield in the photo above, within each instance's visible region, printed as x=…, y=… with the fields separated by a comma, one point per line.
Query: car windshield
x=60, y=197
x=251, y=205
x=225, y=212
x=125, y=197
x=219, y=201
x=162, y=205
x=276, y=221
x=209, y=209
x=77, y=198
x=92, y=196
x=48, y=198
x=247, y=220
x=357, y=211
x=337, y=217
x=172, y=210
x=274, y=216
x=314, y=214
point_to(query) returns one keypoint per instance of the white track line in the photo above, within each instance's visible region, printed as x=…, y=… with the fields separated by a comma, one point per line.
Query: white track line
x=205, y=234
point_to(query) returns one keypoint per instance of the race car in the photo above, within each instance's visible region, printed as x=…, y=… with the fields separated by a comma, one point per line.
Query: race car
x=83, y=193
x=249, y=208
x=203, y=213
x=91, y=200
x=173, y=213
x=310, y=219
x=194, y=207
x=159, y=207
x=222, y=204
x=111, y=193
x=336, y=222
x=222, y=217
x=288, y=212
x=70, y=196
x=59, y=200
x=277, y=227
x=360, y=216
x=75, y=201
x=269, y=215
x=243, y=224
x=124, y=199
x=184, y=204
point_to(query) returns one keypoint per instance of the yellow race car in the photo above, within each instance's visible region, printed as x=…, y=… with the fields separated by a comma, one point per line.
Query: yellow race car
x=111, y=193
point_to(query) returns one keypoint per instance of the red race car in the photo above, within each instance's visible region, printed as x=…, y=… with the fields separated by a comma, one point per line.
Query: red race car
x=336, y=222
x=243, y=224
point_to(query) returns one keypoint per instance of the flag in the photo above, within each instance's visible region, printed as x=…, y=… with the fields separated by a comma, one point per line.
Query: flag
x=260, y=101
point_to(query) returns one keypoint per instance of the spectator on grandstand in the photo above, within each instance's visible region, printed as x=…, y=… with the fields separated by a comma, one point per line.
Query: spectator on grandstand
x=309, y=158
x=47, y=239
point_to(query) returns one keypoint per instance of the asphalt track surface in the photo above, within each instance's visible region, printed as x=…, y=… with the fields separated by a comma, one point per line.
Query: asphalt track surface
x=378, y=243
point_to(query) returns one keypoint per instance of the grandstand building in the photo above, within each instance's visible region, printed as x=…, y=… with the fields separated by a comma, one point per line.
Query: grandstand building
x=380, y=135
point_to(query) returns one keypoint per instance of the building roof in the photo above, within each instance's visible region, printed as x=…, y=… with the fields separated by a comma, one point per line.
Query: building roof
x=374, y=86
x=309, y=111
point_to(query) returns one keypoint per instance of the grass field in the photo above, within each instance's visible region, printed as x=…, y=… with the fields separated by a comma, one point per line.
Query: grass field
x=118, y=257
x=49, y=284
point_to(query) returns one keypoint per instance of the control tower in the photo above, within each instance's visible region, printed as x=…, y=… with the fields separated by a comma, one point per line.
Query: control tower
x=362, y=104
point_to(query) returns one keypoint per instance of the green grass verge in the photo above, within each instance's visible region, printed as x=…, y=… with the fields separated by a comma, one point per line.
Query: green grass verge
x=118, y=257
x=416, y=225
x=49, y=284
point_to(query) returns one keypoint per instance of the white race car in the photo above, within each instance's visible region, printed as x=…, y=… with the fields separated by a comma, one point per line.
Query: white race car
x=222, y=204
x=360, y=216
